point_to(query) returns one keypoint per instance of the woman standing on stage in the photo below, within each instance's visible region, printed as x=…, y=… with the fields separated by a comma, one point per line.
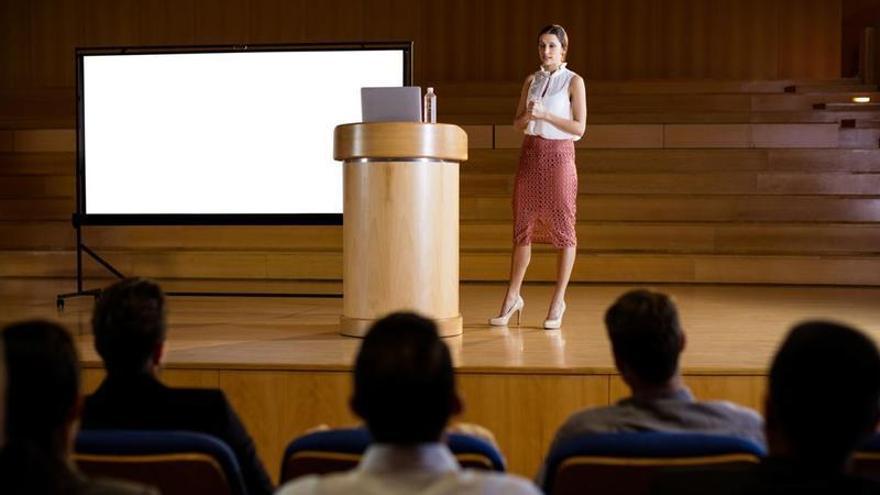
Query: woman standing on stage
x=552, y=112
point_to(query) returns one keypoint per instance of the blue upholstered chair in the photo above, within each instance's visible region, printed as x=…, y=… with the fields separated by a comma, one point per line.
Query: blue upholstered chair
x=341, y=449
x=626, y=463
x=176, y=462
x=866, y=460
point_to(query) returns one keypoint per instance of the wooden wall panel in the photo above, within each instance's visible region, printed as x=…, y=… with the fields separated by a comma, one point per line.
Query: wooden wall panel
x=809, y=38
x=455, y=40
x=15, y=36
x=222, y=21
x=54, y=35
x=167, y=22
x=514, y=408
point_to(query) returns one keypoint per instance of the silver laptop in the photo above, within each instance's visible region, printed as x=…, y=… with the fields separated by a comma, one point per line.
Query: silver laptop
x=399, y=104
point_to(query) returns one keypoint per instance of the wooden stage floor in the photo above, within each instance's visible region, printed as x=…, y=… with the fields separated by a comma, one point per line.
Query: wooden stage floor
x=284, y=367
x=730, y=329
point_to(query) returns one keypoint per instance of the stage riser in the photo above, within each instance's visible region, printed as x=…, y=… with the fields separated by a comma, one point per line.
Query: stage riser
x=714, y=183
x=630, y=208
x=635, y=268
x=751, y=135
x=523, y=410
x=593, y=237
x=613, y=161
x=659, y=103
x=661, y=202
x=674, y=117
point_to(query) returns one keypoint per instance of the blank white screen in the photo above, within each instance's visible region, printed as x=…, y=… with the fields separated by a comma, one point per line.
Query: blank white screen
x=222, y=133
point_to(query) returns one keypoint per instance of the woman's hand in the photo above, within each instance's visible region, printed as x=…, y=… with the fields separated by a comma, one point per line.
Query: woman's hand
x=536, y=111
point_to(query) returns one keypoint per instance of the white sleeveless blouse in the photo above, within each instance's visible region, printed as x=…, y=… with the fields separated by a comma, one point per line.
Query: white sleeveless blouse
x=552, y=90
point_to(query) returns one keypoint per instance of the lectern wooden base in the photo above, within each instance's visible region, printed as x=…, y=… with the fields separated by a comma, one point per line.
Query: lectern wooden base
x=400, y=222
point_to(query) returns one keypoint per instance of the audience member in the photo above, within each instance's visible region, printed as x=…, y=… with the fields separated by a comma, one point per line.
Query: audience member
x=824, y=400
x=42, y=410
x=129, y=327
x=404, y=389
x=646, y=341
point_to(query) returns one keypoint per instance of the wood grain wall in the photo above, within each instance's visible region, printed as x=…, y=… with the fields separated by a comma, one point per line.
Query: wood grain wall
x=456, y=40
x=277, y=406
x=857, y=15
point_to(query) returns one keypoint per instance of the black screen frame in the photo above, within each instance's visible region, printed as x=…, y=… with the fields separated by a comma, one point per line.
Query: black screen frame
x=80, y=217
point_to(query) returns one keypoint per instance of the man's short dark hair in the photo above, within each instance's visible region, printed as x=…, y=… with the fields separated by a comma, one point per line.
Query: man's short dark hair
x=42, y=368
x=645, y=334
x=404, y=385
x=824, y=390
x=128, y=324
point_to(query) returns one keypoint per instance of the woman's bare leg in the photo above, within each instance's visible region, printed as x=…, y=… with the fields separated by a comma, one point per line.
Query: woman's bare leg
x=519, y=262
x=564, y=265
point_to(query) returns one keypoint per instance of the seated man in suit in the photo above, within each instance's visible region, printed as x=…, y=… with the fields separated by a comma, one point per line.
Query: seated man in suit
x=129, y=329
x=404, y=389
x=646, y=340
x=42, y=408
x=823, y=402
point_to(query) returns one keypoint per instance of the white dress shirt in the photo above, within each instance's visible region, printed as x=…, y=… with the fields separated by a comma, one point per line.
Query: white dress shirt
x=425, y=469
x=551, y=89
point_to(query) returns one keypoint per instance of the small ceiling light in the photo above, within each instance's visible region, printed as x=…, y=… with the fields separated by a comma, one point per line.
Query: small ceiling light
x=861, y=99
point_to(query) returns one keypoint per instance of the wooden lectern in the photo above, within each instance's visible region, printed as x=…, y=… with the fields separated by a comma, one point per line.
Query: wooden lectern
x=400, y=222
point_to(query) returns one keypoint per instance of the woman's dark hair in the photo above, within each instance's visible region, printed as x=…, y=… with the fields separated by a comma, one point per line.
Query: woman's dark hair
x=558, y=31
x=43, y=374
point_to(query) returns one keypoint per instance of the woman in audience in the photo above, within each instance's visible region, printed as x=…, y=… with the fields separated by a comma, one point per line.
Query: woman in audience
x=42, y=410
x=552, y=112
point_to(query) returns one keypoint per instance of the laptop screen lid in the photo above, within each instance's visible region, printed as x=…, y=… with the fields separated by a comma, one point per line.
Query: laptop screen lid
x=397, y=104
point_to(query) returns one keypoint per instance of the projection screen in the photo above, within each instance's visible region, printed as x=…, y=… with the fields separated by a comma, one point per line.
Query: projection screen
x=228, y=135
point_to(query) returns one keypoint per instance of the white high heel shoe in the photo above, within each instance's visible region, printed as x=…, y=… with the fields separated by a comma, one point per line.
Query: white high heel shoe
x=517, y=307
x=555, y=323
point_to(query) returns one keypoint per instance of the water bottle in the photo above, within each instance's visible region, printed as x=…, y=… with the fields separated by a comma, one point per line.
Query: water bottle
x=430, y=105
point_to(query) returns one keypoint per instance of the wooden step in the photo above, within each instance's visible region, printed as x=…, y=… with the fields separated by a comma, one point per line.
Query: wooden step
x=849, y=106
x=694, y=136
x=695, y=238
x=37, y=164
x=40, y=209
x=634, y=268
x=663, y=87
x=860, y=138
x=694, y=208
x=37, y=186
x=26, y=288
x=607, y=237
x=42, y=141
x=740, y=104
x=807, y=88
x=708, y=183
x=324, y=265
x=690, y=160
x=860, y=123
x=793, y=117
x=801, y=102
x=641, y=268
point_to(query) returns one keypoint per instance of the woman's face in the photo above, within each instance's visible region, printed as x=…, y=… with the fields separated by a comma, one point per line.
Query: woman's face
x=550, y=50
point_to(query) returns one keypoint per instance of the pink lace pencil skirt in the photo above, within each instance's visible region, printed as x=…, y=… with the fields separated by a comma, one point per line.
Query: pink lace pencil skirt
x=545, y=194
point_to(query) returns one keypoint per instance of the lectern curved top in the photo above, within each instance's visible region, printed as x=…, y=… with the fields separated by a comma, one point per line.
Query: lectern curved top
x=403, y=140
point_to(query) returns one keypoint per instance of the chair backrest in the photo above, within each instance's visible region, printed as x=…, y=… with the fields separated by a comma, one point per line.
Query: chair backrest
x=866, y=459
x=176, y=462
x=626, y=463
x=338, y=450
